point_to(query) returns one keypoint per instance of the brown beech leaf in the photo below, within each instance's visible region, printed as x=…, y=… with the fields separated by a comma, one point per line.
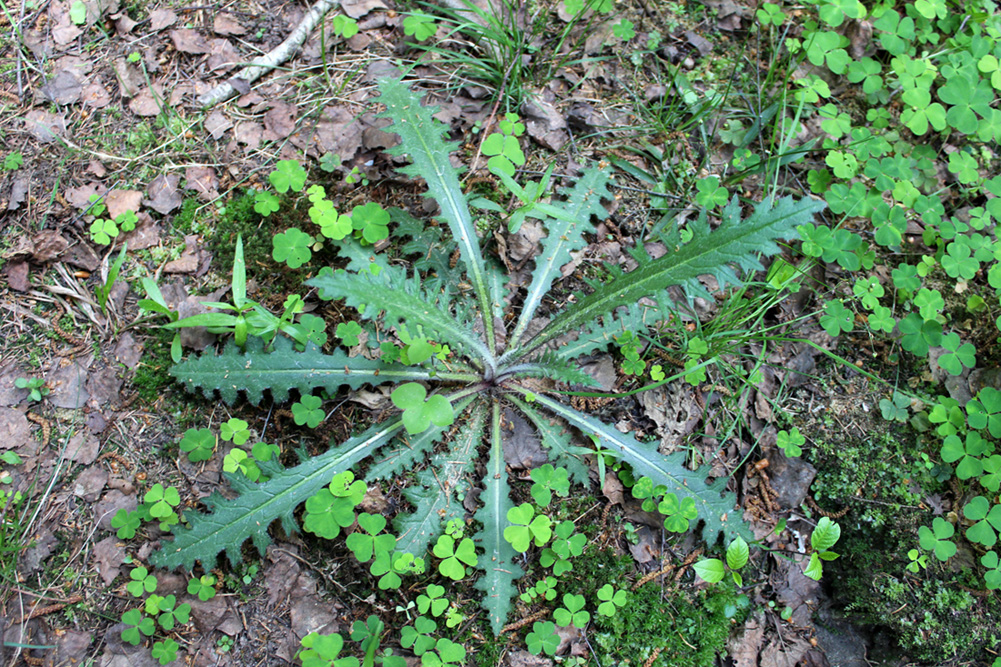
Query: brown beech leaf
x=45, y=126
x=217, y=123
x=120, y=201
x=202, y=180
x=162, y=194
x=189, y=40
x=149, y=102
x=95, y=95
x=161, y=18
x=279, y=121
x=223, y=56
x=63, y=88
x=226, y=24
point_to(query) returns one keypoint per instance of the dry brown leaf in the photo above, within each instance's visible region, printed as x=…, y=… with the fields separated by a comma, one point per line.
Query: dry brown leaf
x=162, y=194
x=95, y=95
x=48, y=245
x=359, y=8
x=226, y=24
x=217, y=123
x=63, y=88
x=123, y=24
x=18, y=191
x=161, y=18
x=202, y=180
x=279, y=121
x=80, y=195
x=67, y=381
x=145, y=235
x=189, y=40
x=223, y=56
x=45, y=126
x=65, y=33
x=339, y=132
x=149, y=102
x=120, y=201
x=130, y=79
x=248, y=133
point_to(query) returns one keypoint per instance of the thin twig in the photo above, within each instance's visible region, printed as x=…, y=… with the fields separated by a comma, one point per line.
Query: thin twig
x=259, y=66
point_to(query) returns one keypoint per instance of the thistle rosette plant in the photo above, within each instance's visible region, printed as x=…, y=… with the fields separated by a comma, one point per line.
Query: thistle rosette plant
x=492, y=366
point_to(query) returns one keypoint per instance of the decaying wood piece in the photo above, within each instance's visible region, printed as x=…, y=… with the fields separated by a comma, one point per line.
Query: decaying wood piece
x=272, y=59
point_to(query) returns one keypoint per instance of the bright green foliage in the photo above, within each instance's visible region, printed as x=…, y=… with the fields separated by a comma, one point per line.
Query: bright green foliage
x=292, y=247
x=136, y=625
x=678, y=513
x=542, y=638
x=432, y=600
x=790, y=442
x=323, y=651
x=918, y=561
x=307, y=411
x=126, y=523
x=371, y=222
x=987, y=520
x=770, y=14
x=611, y=600
x=453, y=554
x=288, y=175
x=624, y=30
x=836, y=318
x=419, y=26
x=418, y=413
x=266, y=203
x=958, y=354
x=503, y=147
x=162, y=501
x=938, y=539
x=170, y=613
x=345, y=26
x=565, y=545
x=527, y=527
x=459, y=308
x=446, y=653
x=895, y=408
x=141, y=582
x=13, y=161
x=824, y=536
x=235, y=430
x=710, y=194
x=919, y=334
x=203, y=587
x=544, y=588
x=199, y=443
x=549, y=480
x=572, y=612
x=417, y=637
x=992, y=576
x=967, y=452
x=370, y=540
x=348, y=332
x=35, y=386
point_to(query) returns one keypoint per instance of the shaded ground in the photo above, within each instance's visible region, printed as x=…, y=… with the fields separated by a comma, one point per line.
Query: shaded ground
x=106, y=106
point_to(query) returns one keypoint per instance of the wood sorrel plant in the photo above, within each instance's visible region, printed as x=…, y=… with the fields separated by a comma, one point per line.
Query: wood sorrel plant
x=491, y=367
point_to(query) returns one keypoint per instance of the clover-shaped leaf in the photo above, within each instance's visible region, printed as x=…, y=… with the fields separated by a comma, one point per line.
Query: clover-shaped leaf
x=141, y=582
x=203, y=587
x=127, y=523
x=966, y=452
x=417, y=637
x=836, y=318
x=572, y=613
x=678, y=513
x=135, y=624
x=548, y=480
x=419, y=26
x=433, y=600
x=937, y=539
x=348, y=332
x=307, y=411
x=542, y=638
x=790, y=442
x=288, y=175
x=165, y=652
x=710, y=194
x=235, y=430
x=992, y=577
x=266, y=203
x=453, y=554
x=292, y=247
x=919, y=334
x=372, y=221
x=525, y=528
x=198, y=443
x=368, y=541
x=418, y=414
x=161, y=501
x=987, y=518
x=611, y=599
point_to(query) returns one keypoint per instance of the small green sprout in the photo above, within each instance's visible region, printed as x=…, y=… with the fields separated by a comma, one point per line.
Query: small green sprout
x=549, y=480
x=136, y=625
x=35, y=386
x=611, y=600
x=203, y=587
x=235, y=430
x=126, y=523
x=307, y=411
x=418, y=414
x=453, y=554
x=199, y=443
x=526, y=527
x=543, y=638
x=141, y=582
x=790, y=442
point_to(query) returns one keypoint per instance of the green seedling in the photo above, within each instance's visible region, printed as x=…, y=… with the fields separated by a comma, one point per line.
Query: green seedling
x=370, y=540
x=824, y=536
x=503, y=147
x=169, y=612
x=987, y=521
x=549, y=480
x=203, y=587
x=292, y=247
x=419, y=26
x=13, y=161
x=453, y=554
x=572, y=612
x=35, y=386
x=307, y=411
x=611, y=600
x=433, y=600
x=565, y=544
x=324, y=651
x=712, y=570
x=136, y=625
x=198, y=443
x=418, y=413
x=235, y=430
x=418, y=637
x=126, y=524
x=527, y=527
x=790, y=442
x=542, y=638
x=332, y=508
x=288, y=175
x=141, y=582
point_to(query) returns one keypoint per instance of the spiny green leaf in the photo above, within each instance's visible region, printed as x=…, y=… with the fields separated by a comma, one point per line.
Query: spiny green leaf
x=248, y=515
x=284, y=369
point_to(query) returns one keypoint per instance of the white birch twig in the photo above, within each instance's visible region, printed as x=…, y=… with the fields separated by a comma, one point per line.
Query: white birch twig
x=274, y=58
